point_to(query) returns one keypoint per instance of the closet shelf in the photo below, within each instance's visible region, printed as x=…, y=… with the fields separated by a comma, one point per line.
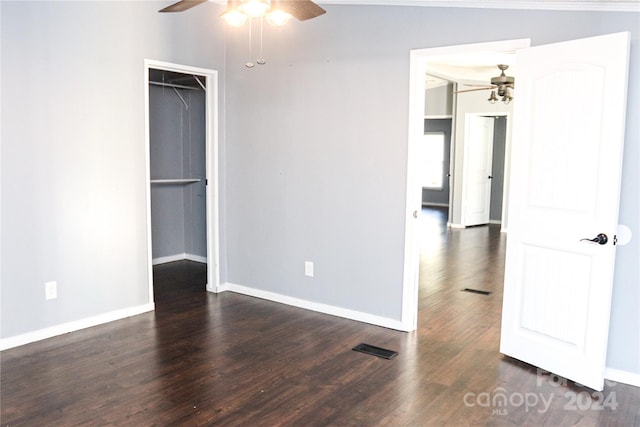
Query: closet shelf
x=175, y=181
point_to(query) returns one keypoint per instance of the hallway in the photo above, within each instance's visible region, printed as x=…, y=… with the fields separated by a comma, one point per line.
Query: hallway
x=454, y=259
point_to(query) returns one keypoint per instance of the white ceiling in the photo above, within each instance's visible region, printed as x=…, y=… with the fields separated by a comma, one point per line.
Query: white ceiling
x=602, y=5
x=594, y=5
x=477, y=68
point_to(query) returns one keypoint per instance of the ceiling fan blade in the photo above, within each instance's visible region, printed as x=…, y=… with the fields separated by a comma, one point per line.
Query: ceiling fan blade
x=301, y=9
x=182, y=5
x=472, y=85
x=475, y=90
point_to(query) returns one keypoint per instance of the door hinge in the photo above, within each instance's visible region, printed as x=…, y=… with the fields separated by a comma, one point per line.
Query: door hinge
x=615, y=239
x=206, y=182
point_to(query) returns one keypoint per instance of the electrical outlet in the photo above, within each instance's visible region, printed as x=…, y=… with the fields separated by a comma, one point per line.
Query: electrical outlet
x=308, y=269
x=50, y=290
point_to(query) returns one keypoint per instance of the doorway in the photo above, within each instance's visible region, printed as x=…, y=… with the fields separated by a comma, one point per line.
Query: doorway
x=437, y=162
x=418, y=63
x=181, y=165
x=589, y=202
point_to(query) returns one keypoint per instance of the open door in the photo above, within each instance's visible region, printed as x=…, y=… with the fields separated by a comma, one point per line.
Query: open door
x=476, y=176
x=567, y=154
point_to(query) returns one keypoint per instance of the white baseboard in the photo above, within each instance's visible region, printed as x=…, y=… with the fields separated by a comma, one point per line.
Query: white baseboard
x=440, y=205
x=616, y=375
x=314, y=306
x=179, y=257
x=196, y=258
x=460, y=226
x=76, y=325
x=495, y=221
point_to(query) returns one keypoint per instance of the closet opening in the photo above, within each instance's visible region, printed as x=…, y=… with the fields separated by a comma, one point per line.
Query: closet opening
x=182, y=211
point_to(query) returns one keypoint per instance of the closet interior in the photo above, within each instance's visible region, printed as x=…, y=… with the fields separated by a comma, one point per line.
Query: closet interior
x=177, y=131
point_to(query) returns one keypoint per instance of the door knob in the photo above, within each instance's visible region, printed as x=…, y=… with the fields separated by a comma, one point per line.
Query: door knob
x=600, y=239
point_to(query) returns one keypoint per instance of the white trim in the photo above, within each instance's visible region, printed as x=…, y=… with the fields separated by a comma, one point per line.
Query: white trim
x=195, y=258
x=76, y=325
x=438, y=117
x=314, y=306
x=213, y=182
x=495, y=221
x=586, y=5
x=212, y=191
x=413, y=195
x=625, y=377
x=168, y=259
x=179, y=257
x=577, y=5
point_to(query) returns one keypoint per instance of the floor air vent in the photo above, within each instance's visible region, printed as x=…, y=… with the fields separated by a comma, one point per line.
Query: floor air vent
x=477, y=291
x=375, y=351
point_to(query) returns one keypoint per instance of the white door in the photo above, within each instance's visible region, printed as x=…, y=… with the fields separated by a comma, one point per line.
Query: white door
x=476, y=175
x=570, y=107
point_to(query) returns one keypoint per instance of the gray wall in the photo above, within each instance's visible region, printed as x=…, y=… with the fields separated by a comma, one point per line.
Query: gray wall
x=497, y=167
x=177, y=150
x=439, y=197
x=320, y=173
x=73, y=150
x=313, y=149
x=439, y=102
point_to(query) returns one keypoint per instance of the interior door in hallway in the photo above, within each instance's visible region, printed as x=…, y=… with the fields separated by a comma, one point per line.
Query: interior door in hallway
x=476, y=176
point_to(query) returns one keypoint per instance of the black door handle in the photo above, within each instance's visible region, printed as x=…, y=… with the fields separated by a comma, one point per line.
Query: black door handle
x=600, y=239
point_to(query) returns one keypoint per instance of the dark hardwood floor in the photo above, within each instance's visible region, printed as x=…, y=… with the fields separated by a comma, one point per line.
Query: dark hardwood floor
x=202, y=359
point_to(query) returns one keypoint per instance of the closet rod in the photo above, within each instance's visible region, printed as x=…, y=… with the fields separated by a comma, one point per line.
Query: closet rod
x=200, y=83
x=186, y=106
x=174, y=85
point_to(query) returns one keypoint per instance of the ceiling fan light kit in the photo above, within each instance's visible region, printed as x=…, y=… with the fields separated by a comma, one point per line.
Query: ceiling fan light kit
x=234, y=16
x=278, y=17
x=504, y=86
x=254, y=8
x=276, y=12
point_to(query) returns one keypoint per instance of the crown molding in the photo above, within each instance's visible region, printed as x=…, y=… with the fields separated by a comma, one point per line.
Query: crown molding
x=571, y=5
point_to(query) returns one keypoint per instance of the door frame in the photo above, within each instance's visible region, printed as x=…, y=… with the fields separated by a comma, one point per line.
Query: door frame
x=417, y=66
x=212, y=174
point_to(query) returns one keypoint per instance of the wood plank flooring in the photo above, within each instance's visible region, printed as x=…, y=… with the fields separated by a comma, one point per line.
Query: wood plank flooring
x=230, y=360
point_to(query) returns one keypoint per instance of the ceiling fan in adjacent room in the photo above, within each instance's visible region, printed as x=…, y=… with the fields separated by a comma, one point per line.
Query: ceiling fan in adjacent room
x=501, y=87
x=275, y=12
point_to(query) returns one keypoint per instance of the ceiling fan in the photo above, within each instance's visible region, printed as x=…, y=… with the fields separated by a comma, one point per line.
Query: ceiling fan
x=299, y=9
x=275, y=12
x=501, y=86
